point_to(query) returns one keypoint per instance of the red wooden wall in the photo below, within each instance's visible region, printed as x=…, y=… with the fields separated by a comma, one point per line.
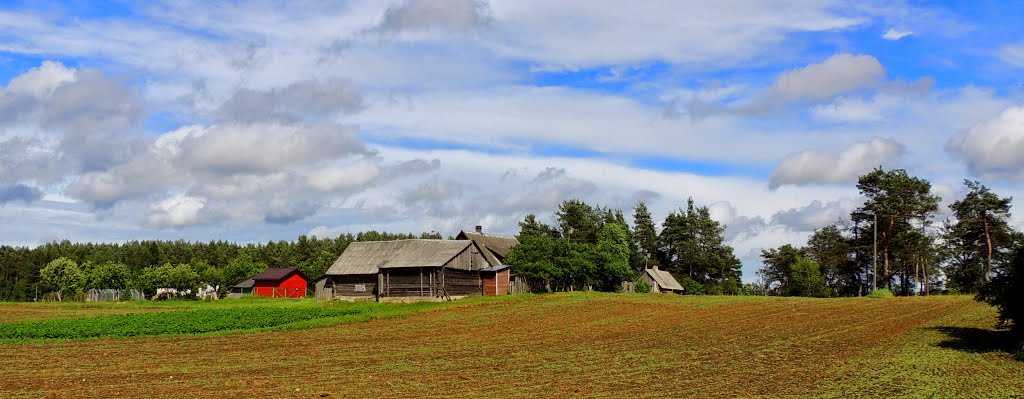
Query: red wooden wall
x=292, y=287
x=496, y=283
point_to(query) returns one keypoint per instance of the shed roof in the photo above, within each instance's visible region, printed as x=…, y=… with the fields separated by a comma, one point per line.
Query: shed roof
x=368, y=257
x=249, y=282
x=495, y=268
x=277, y=274
x=664, y=279
x=494, y=248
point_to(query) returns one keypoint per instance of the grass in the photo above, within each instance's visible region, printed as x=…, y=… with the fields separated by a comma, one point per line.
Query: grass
x=562, y=345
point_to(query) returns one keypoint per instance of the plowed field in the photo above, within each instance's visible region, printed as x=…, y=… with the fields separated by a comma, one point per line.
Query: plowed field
x=576, y=345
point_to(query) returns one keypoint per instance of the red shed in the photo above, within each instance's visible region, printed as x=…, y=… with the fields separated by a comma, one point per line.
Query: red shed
x=280, y=282
x=495, y=280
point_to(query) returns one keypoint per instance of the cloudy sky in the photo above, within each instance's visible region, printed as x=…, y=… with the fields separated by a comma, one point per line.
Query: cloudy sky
x=257, y=121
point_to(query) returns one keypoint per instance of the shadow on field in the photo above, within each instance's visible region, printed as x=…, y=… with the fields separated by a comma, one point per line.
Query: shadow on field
x=976, y=340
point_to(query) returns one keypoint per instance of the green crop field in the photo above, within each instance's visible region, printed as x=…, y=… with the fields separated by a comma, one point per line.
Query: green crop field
x=560, y=345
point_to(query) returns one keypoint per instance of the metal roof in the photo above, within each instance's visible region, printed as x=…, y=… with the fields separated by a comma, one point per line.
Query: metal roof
x=495, y=268
x=277, y=274
x=368, y=257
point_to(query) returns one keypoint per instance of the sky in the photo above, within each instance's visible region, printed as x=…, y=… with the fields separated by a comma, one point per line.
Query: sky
x=257, y=121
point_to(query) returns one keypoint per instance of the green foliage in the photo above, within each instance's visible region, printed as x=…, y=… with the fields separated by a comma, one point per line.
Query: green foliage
x=109, y=275
x=694, y=246
x=778, y=266
x=180, y=277
x=977, y=240
x=896, y=199
x=63, y=276
x=165, y=323
x=881, y=293
x=530, y=227
x=576, y=259
x=613, y=256
x=1020, y=353
x=691, y=286
x=645, y=238
x=807, y=279
x=241, y=268
x=1006, y=293
x=642, y=287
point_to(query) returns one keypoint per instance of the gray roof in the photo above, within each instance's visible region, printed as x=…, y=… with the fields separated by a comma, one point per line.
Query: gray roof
x=368, y=257
x=249, y=282
x=494, y=248
x=495, y=268
x=664, y=279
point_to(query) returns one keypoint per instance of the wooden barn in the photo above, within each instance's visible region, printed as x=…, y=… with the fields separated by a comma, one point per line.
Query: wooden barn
x=412, y=269
x=494, y=248
x=661, y=281
x=280, y=282
x=495, y=280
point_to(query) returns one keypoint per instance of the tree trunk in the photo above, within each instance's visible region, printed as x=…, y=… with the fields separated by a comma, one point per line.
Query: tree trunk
x=988, y=242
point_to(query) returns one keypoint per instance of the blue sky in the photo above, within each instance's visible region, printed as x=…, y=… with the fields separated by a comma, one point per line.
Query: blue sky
x=257, y=121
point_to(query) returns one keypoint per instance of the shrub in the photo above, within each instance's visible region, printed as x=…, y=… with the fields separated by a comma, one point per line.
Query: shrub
x=953, y=291
x=642, y=287
x=1020, y=352
x=881, y=293
x=691, y=287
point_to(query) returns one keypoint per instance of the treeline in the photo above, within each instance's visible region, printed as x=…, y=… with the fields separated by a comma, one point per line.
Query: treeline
x=593, y=247
x=890, y=242
x=146, y=265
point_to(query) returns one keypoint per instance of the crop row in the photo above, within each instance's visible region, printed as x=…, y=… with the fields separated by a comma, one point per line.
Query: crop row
x=166, y=323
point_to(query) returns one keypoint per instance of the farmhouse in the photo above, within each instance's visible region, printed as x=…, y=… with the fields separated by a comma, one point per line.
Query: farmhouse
x=494, y=248
x=660, y=281
x=280, y=282
x=406, y=268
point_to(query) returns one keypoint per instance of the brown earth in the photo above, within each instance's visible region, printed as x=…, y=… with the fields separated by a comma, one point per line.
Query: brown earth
x=584, y=345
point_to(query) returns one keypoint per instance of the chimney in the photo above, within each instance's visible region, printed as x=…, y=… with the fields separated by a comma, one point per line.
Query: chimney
x=479, y=229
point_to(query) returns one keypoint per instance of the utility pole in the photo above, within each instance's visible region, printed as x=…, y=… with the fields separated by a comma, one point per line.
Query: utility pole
x=874, y=258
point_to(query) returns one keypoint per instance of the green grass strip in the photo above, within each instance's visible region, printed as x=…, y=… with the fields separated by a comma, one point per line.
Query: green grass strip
x=188, y=322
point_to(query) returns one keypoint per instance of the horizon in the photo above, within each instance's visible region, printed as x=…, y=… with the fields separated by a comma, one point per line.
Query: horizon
x=255, y=122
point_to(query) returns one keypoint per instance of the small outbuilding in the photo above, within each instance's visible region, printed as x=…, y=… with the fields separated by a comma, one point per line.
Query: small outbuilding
x=280, y=282
x=661, y=281
x=495, y=280
x=242, y=288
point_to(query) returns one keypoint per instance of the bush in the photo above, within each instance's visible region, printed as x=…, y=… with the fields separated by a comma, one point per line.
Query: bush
x=953, y=291
x=1020, y=353
x=691, y=287
x=881, y=293
x=642, y=287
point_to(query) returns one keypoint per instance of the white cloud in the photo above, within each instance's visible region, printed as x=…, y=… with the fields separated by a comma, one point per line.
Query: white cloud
x=41, y=81
x=816, y=167
x=580, y=34
x=994, y=148
x=839, y=74
x=177, y=211
x=1013, y=54
x=896, y=34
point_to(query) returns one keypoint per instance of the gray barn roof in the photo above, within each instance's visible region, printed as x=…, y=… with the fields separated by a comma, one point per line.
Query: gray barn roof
x=664, y=279
x=368, y=257
x=494, y=248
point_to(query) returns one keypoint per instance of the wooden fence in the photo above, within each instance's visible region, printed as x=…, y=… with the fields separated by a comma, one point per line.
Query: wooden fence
x=523, y=285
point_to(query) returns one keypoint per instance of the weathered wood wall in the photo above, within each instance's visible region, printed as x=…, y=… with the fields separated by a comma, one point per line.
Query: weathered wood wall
x=462, y=282
x=410, y=281
x=345, y=285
